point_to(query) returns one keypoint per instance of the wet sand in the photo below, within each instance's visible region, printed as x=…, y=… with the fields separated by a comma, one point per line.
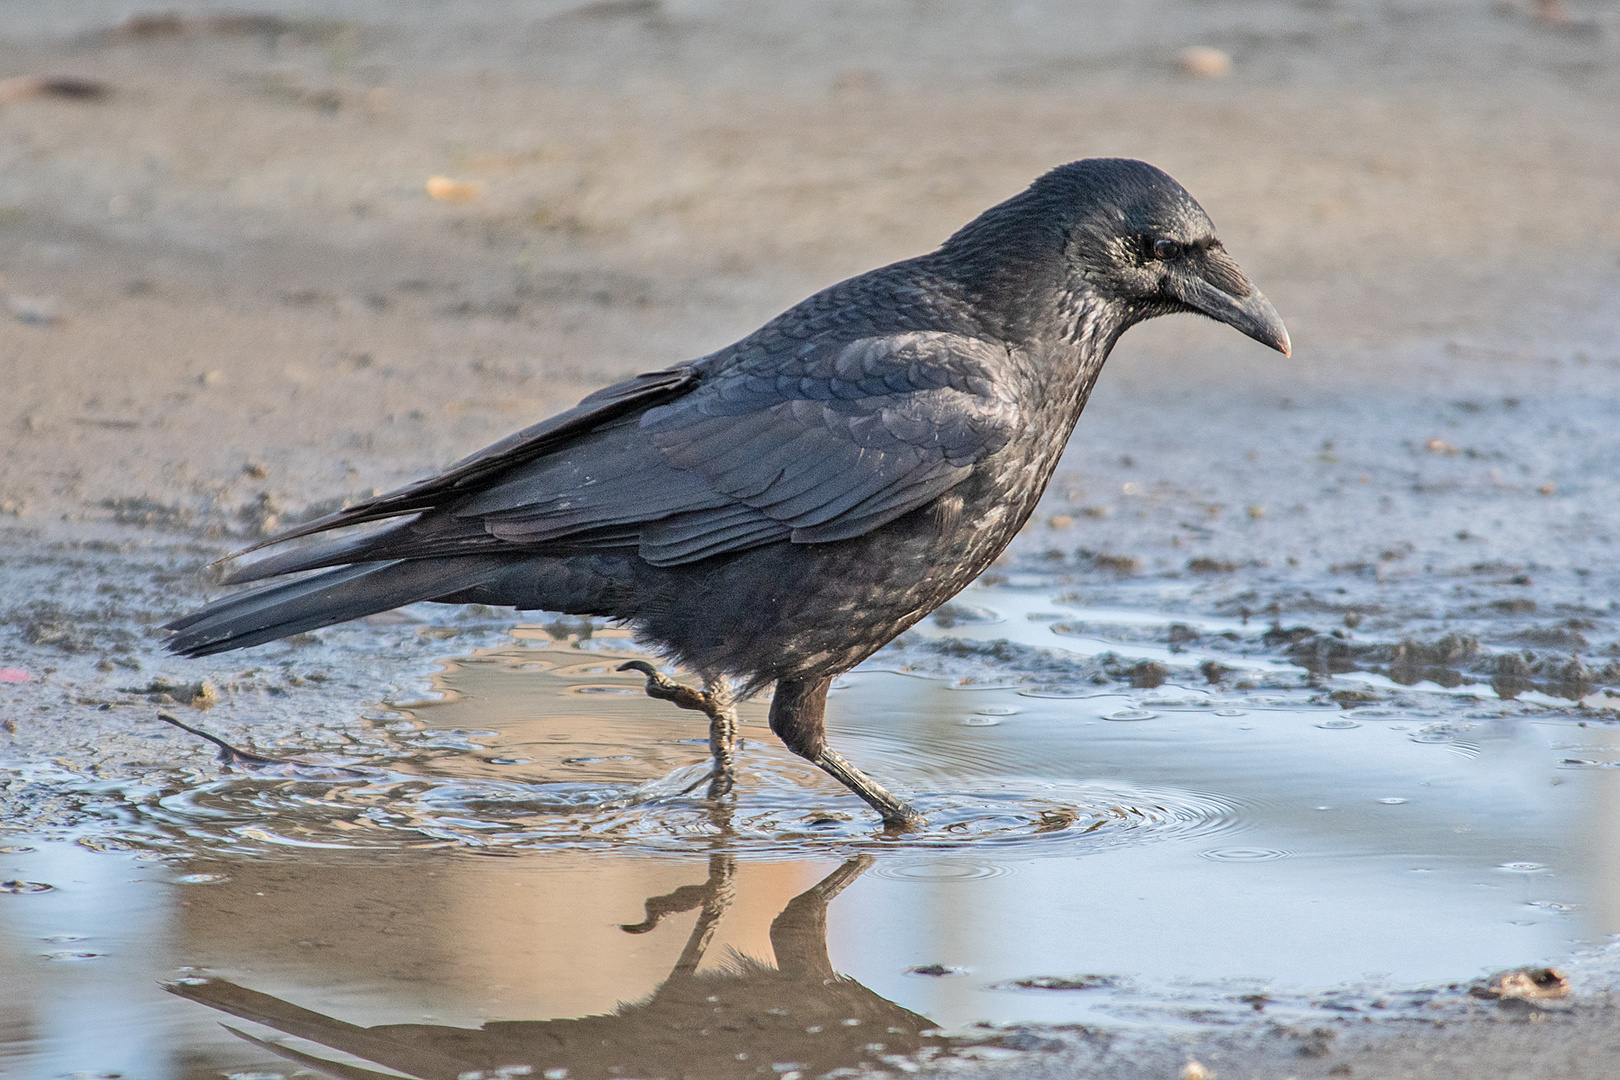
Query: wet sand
x=231, y=302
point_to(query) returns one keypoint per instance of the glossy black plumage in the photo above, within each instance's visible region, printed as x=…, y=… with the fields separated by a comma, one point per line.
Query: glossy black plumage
x=778, y=510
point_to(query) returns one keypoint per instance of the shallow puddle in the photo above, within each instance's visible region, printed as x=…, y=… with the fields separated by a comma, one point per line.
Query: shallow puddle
x=517, y=881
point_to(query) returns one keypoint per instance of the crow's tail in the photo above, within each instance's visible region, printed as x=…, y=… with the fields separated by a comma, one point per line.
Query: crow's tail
x=260, y=615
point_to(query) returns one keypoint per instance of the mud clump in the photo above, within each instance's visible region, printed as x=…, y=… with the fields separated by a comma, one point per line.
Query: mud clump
x=1291, y=636
x=1181, y=634
x=1123, y=565
x=1552, y=637
x=1071, y=982
x=1414, y=661
x=1450, y=661
x=1148, y=675
x=1045, y=669
x=199, y=695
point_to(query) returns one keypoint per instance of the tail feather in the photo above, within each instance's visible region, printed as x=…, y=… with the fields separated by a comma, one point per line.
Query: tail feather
x=277, y=611
x=332, y=553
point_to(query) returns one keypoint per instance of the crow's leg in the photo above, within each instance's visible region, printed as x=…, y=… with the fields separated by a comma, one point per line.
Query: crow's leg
x=799, y=933
x=717, y=701
x=798, y=716
x=721, y=697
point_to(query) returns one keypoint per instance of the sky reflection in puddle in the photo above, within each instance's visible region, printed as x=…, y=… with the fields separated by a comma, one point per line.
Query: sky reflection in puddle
x=1075, y=869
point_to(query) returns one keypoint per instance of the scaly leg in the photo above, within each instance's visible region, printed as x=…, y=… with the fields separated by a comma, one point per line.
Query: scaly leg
x=798, y=714
x=718, y=702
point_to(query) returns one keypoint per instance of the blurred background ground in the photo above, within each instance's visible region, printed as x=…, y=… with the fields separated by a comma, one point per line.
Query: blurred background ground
x=232, y=301
x=230, y=289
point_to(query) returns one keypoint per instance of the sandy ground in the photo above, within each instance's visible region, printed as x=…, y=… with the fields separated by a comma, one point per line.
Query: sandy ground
x=230, y=301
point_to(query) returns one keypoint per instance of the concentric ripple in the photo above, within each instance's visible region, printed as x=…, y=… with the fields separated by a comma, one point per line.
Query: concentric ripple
x=781, y=811
x=582, y=759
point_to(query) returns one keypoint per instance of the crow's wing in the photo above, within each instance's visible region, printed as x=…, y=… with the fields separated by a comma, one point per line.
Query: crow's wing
x=825, y=443
x=536, y=440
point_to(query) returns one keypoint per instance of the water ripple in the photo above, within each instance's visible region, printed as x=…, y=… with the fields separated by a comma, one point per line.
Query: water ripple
x=252, y=814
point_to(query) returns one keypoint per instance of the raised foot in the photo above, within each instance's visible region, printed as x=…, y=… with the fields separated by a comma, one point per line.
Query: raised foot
x=716, y=704
x=664, y=688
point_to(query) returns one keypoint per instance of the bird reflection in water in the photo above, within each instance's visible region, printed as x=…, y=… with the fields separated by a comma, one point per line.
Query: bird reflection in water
x=743, y=1018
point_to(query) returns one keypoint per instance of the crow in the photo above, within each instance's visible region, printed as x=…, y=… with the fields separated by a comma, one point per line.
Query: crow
x=778, y=510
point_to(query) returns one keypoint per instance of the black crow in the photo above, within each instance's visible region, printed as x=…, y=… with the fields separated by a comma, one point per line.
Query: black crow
x=776, y=511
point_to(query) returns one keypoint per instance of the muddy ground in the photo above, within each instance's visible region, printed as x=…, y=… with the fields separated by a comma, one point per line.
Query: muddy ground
x=231, y=303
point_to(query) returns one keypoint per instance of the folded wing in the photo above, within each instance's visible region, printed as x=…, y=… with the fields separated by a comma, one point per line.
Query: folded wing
x=745, y=448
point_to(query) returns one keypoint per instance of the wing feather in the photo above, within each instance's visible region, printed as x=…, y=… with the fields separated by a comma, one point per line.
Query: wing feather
x=811, y=441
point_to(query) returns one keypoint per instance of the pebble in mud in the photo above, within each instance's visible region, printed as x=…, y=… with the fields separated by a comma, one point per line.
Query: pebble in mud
x=1524, y=984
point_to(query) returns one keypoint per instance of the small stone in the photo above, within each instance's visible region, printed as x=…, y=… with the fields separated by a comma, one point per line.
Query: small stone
x=934, y=971
x=445, y=189
x=1204, y=63
x=1525, y=984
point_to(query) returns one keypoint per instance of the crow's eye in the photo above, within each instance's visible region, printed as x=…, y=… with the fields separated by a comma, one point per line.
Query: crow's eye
x=1166, y=249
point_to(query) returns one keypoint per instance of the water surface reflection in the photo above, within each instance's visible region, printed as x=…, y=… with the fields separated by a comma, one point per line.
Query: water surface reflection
x=742, y=1017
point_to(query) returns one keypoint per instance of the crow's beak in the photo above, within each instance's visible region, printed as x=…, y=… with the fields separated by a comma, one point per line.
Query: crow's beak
x=1225, y=295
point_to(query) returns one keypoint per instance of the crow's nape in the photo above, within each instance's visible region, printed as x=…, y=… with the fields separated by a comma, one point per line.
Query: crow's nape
x=277, y=611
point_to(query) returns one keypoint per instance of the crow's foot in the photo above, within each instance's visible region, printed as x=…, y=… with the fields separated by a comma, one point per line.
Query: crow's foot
x=716, y=702
x=898, y=816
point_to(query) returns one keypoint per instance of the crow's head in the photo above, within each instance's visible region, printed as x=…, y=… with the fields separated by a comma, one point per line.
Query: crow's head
x=1122, y=232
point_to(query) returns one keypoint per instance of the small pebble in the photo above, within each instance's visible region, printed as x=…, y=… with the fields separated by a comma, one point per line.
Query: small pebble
x=447, y=190
x=1204, y=63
